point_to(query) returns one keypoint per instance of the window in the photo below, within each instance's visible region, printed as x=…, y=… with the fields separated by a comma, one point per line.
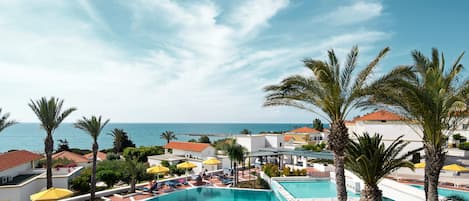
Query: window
x=465, y=126
x=280, y=144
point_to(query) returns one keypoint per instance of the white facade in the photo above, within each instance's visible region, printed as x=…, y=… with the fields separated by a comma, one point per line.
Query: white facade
x=390, y=130
x=22, y=191
x=253, y=143
x=204, y=154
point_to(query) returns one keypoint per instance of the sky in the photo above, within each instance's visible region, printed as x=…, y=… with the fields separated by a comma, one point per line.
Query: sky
x=201, y=61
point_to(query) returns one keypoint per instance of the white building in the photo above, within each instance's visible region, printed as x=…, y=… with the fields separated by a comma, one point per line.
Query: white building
x=304, y=135
x=19, y=179
x=254, y=142
x=186, y=151
x=389, y=125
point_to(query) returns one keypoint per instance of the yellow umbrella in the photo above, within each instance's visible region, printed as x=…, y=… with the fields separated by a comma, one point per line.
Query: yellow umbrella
x=157, y=170
x=211, y=161
x=419, y=165
x=51, y=194
x=455, y=168
x=186, y=165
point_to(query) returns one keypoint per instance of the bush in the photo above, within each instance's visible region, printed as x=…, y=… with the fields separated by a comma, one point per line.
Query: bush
x=110, y=177
x=271, y=170
x=464, y=146
x=141, y=153
x=165, y=163
x=286, y=171
x=112, y=156
x=192, y=140
x=204, y=139
x=80, y=151
x=81, y=183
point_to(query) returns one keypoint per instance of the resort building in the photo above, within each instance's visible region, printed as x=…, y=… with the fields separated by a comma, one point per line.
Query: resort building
x=255, y=142
x=176, y=152
x=78, y=159
x=304, y=135
x=99, y=157
x=19, y=178
x=388, y=124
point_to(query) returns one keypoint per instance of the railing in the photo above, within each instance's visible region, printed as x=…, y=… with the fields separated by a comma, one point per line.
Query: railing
x=110, y=192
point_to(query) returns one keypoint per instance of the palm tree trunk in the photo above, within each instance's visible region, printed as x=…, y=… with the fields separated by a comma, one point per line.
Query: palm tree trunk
x=371, y=193
x=48, y=148
x=434, y=161
x=235, y=174
x=133, y=182
x=93, y=175
x=338, y=140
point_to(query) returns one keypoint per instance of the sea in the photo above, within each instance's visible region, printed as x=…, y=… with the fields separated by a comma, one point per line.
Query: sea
x=30, y=136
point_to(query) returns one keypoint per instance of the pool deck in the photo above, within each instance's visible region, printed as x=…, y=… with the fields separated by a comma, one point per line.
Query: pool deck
x=207, y=182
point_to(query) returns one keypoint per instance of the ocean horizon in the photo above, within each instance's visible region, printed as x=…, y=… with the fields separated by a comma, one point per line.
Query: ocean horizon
x=29, y=136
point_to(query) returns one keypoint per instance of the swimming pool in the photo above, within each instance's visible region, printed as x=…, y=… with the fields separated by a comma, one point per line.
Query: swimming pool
x=448, y=192
x=312, y=189
x=315, y=189
x=217, y=194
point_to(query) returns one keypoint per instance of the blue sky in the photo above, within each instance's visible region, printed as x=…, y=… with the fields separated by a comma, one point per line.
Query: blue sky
x=200, y=61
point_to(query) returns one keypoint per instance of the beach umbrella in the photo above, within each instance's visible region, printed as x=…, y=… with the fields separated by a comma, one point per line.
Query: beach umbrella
x=455, y=168
x=157, y=170
x=211, y=161
x=51, y=194
x=419, y=165
x=186, y=165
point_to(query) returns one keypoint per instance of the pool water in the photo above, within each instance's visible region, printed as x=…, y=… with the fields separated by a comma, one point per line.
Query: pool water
x=217, y=194
x=313, y=189
x=448, y=192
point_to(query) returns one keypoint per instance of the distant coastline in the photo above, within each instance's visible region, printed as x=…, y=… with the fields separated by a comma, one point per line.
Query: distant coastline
x=30, y=137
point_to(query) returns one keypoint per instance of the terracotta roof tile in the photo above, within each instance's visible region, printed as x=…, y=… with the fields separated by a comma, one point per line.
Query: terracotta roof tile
x=12, y=159
x=380, y=115
x=101, y=156
x=287, y=138
x=187, y=146
x=304, y=130
x=77, y=158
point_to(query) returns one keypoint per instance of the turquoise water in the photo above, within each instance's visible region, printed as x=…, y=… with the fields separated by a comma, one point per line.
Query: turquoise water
x=448, y=192
x=313, y=189
x=216, y=194
x=29, y=136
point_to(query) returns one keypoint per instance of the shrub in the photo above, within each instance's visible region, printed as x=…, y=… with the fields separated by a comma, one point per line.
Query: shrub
x=286, y=171
x=141, y=153
x=204, y=139
x=271, y=170
x=112, y=156
x=81, y=183
x=110, y=177
x=165, y=163
x=464, y=146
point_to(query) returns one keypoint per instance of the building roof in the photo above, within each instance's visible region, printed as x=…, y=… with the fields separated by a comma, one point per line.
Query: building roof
x=304, y=130
x=380, y=115
x=187, y=146
x=15, y=158
x=287, y=138
x=77, y=158
x=100, y=156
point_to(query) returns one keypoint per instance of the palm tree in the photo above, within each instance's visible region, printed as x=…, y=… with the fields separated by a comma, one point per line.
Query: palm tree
x=49, y=112
x=4, y=122
x=168, y=136
x=135, y=170
x=121, y=140
x=236, y=154
x=93, y=127
x=330, y=91
x=371, y=161
x=434, y=97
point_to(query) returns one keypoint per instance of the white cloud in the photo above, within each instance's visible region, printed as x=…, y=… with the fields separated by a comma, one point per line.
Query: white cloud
x=194, y=68
x=351, y=14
